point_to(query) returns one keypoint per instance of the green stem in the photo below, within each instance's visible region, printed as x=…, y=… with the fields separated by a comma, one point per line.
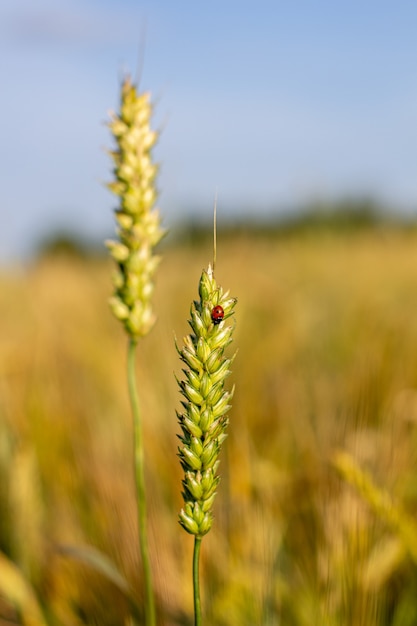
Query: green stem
x=196, y=581
x=150, y=619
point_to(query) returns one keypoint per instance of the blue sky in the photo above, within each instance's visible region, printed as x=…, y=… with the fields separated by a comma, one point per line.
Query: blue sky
x=271, y=103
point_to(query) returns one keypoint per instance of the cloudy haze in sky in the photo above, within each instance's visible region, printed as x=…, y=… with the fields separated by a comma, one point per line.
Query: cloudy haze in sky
x=271, y=103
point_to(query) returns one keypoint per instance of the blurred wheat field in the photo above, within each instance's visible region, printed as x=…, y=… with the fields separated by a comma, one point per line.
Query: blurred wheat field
x=327, y=359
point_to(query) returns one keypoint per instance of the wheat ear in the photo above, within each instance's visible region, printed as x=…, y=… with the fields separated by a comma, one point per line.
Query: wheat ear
x=205, y=406
x=379, y=500
x=138, y=232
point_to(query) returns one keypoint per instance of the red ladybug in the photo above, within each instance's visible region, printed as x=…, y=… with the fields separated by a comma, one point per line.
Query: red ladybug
x=217, y=314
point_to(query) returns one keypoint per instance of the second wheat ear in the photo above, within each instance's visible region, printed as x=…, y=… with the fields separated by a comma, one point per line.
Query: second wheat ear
x=138, y=233
x=206, y=404
x=138, y=220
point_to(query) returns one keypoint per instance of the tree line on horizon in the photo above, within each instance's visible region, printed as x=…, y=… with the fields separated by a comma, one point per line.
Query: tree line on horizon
x=340, y=216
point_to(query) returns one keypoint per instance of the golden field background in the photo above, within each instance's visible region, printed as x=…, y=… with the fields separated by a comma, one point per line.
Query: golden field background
x=326, y=333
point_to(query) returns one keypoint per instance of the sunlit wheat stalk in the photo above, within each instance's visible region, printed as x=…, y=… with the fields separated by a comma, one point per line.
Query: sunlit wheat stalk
x=205, y=406
x=379, y=500
x=138, y=232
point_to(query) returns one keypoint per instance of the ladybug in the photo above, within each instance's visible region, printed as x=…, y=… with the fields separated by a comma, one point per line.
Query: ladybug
x=217, y=314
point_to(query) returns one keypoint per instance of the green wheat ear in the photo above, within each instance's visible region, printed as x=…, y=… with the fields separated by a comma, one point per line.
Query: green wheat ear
x=206, y=403
x=138, y=221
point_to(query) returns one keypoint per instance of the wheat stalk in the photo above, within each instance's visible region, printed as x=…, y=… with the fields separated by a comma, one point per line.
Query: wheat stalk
x=138, y=233
x=204, y=418
x=379, y=500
